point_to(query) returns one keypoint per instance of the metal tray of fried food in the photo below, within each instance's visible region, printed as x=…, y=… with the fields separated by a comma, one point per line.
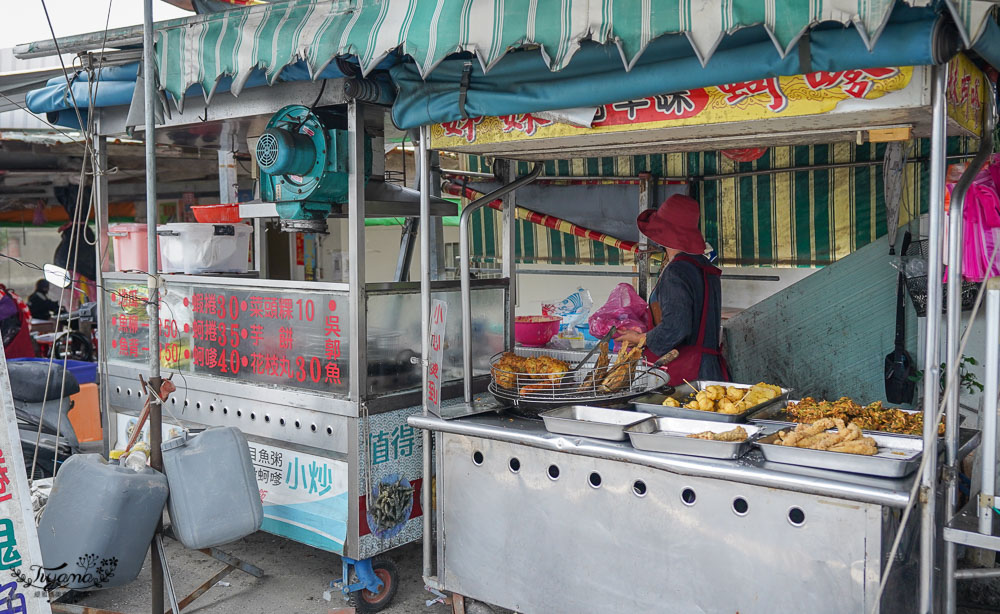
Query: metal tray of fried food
x=777, y=414
x=897, y=456
x=653, y=403
x=587, y=421
x=670, y=435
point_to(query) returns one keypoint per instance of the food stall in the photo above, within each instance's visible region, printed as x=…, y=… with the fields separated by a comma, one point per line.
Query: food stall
x=585, y=510
x=321, y=377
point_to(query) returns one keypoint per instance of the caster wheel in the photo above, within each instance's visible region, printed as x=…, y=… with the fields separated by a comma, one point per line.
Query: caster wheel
x=365, y=601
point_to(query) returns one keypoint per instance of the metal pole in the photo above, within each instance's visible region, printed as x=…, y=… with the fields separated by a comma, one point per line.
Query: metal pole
x=989, y=417
x=153, y=294
x=953, y=337
x=425, y=338
x=101, y=217
x=227, y=177
x=646, y=185
x=508, y=266
x=466, y=274
x=928, y=478
x=356, y=249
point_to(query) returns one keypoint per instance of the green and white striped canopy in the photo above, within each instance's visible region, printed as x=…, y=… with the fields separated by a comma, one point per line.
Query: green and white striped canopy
x=270, y=37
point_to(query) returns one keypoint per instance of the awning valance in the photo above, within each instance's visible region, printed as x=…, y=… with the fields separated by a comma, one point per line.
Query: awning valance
x=206, y=48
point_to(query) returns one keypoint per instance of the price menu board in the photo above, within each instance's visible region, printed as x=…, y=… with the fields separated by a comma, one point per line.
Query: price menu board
x=293, y=338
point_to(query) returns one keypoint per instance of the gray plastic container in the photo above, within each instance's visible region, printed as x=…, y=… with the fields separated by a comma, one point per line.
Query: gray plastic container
x=98, y=522
x=214, y=497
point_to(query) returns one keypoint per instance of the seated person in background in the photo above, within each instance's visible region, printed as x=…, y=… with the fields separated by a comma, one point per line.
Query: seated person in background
x=39, y=303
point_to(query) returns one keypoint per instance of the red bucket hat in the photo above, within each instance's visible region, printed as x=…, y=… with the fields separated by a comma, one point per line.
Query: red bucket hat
x=674, y=224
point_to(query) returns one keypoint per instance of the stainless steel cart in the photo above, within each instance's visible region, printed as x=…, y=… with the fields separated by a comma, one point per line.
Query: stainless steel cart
x=320, y=376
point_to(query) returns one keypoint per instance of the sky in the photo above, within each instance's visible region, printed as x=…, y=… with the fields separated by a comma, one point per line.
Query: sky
x=26, y=23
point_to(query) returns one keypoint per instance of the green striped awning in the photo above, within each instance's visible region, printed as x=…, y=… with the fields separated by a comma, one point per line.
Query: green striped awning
x=800, y=218
x=205, y=48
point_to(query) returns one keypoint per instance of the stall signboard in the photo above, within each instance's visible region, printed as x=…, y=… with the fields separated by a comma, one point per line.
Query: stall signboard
x=439, y=319
x=967, y=86
x=22, y=574
x=777, y=97
x=305, y=497
x=290, y=338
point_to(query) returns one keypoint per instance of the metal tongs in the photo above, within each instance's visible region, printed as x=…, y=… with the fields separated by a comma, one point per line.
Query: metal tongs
x=662, y=360
x=607, y=337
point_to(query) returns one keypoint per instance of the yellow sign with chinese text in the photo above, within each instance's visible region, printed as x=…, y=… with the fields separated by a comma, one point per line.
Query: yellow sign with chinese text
x=966, y=87
x=812, y=94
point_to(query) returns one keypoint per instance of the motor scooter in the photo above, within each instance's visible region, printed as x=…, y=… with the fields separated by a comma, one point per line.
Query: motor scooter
x=41, y=405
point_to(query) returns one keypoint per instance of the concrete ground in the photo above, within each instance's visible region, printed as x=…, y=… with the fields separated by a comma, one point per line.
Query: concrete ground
x=295, y=578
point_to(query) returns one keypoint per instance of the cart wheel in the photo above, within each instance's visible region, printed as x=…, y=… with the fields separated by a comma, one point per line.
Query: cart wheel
x=366, y=601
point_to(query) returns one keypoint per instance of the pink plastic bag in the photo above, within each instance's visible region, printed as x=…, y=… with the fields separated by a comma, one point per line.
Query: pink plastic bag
x=625, y=309
x=982, y=225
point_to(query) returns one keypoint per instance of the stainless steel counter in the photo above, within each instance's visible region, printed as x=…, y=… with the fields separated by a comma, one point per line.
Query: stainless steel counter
x=751, y=469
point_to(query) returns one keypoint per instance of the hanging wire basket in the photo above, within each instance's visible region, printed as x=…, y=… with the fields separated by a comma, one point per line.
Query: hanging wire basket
x=916, y=286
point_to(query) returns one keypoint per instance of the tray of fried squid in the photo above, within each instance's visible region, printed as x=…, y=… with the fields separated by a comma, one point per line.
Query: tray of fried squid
x=830, y=443
x=705, y=438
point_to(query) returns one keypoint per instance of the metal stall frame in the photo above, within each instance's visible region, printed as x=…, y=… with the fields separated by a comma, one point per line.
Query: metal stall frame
x=929, y=95
x=334, y=428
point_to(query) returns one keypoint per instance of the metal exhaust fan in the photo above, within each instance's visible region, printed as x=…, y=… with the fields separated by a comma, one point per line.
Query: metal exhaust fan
x=303, y=156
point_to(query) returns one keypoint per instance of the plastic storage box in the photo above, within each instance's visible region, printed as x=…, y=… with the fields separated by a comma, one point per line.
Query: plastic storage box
x=204, y=510
x=84, y=372
x=99, y=520
x=130, y=247
x=204, y=248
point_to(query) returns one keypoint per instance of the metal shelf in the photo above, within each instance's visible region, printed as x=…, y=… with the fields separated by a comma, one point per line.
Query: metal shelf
x=964, y=529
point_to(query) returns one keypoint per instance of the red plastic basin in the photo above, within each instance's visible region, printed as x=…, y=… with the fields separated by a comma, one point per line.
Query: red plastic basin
x=535, y=331
x=217, y=214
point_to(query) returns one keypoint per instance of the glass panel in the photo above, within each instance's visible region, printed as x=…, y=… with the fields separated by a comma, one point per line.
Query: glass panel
x=291, y=338
x=394, y=336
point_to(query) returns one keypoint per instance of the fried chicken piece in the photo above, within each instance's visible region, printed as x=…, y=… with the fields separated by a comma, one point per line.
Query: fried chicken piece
x=620, y=375
x=506, y=370
x=804, y=431
x=671, y=402
x=735, y=394
x=715, y=392
x=865, y=446
x=546, y=368
x=600, y=370
x=728, y=407
x=737, y=434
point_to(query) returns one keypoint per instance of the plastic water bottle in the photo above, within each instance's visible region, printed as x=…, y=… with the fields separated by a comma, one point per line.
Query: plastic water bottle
x=136, y=460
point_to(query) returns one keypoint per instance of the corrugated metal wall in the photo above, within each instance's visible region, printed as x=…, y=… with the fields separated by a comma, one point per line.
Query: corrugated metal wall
x=785, y=219
x=827, y=335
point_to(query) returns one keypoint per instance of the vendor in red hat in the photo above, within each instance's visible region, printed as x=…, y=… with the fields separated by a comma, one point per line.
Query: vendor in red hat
x=688, y=294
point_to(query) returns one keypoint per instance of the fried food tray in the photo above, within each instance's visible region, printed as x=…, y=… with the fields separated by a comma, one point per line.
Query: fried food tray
x=587, y=421
x=653, y=403
x=777, y=414
x=897, y=456
x=670, y=435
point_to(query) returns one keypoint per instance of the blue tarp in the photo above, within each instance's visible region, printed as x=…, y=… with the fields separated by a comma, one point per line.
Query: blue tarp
x=117, y=85
x=522, y=83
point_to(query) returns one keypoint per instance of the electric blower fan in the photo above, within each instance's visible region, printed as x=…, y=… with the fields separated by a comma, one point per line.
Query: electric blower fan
x=303, y=156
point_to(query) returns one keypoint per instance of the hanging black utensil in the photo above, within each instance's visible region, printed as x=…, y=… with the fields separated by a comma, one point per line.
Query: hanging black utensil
x=899, y=383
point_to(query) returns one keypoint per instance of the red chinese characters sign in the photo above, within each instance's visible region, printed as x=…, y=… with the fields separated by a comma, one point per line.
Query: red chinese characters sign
x=291, y=338
x=439, y=321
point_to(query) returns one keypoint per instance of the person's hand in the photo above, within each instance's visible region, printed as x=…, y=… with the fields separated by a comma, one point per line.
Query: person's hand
x=631, y=337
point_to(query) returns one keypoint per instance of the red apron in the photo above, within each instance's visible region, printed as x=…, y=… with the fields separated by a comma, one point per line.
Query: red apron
x=688, y=362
